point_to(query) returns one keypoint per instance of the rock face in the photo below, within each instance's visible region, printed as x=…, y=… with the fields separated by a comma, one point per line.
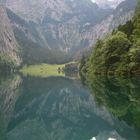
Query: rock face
x=108, y=3
x=62, y=25
x=8, y=45
x=123, y=13
x=65, y=27
x=36, y=10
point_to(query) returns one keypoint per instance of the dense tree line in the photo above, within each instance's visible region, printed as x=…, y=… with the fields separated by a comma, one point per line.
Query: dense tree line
x=118, y=53
x=113, y=94
x=6, y=65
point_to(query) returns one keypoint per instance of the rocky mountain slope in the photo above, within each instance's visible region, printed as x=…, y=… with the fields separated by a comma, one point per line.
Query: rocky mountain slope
x=62, y=25
x=62, y=28
x=123, y=13
x=8, y=45
x=107, y=3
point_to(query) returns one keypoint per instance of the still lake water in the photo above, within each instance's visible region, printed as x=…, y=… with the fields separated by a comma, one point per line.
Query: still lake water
x=59, y=108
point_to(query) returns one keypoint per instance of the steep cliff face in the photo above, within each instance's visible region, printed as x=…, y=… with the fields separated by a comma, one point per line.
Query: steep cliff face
x=123, y=13
x=64, y=27
x=8, y=45
x=108, y=3
x=61, y=25
x=56, y=10
x=36, y=9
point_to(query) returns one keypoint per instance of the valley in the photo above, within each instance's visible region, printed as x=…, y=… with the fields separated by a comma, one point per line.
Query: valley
x=69, y=69
x=43, y=70
x=51, y=35
x=48, y=70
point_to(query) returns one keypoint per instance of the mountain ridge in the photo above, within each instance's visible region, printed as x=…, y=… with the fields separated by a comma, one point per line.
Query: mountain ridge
x=9, y=48
x=63, y=30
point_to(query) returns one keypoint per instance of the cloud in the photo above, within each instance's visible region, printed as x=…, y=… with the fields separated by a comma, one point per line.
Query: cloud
x=93, y=1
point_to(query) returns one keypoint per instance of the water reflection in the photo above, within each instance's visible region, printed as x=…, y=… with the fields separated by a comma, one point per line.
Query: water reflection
x=8, y=96
x=58, y=108
x=120, y=96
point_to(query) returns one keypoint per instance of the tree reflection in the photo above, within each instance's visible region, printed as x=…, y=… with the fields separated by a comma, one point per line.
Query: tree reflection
x=120, y=96
x=8, y=96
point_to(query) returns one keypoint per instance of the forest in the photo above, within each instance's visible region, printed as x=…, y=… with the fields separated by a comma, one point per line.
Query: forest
x=118, y=53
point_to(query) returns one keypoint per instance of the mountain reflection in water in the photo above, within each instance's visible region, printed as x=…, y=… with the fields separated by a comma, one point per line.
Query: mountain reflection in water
x=58, y=108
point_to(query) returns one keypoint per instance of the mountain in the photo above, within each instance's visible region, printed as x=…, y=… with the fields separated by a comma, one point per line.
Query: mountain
x=62, y=26
x=107, y=3
x=123, y=13
x=33, y=44
x=55, y=10
x=58, y=31
x=9, y=50
x=119, y=51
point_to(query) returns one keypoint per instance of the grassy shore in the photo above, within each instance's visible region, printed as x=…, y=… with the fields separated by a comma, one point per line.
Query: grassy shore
x=42, y=70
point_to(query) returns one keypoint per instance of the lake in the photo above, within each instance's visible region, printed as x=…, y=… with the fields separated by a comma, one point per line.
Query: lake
x=61, y=108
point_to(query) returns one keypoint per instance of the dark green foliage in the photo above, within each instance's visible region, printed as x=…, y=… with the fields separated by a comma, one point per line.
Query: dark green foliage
x=6, y=65
x=136, y=24
x=71, y=67
x=110, y=55
x=82, y=66
x=127, y=28
x=118, y=53
x=120, y=96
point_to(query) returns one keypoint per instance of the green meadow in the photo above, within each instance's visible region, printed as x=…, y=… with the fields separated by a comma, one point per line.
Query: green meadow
x=43, y=70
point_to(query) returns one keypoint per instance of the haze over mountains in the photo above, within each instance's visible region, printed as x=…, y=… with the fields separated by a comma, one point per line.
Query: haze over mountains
x=57, y=31
x=107, y=3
